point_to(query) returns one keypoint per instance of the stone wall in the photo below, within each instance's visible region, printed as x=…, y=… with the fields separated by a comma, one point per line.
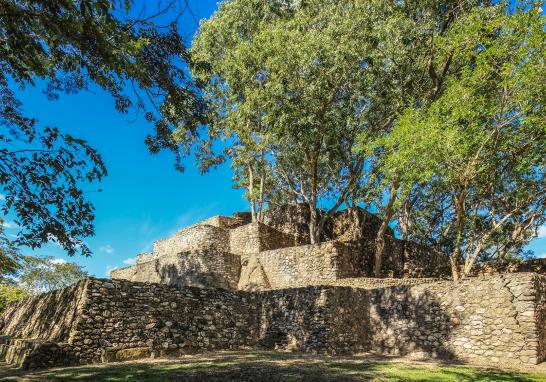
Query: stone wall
x=497, y=320
x=225, y=222
x=201, y=237
x=118, y=319
x=204, y=269
x=540, y=316
x=312, y=264
x=257, y=237
x=314, y=319
x=48, y=316
x=160, y=320
x=401, y=259
x=145, y=257
x=478, y=320
x=530, y=265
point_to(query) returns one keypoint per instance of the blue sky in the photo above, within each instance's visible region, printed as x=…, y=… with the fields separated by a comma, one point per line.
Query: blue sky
x=143, y=198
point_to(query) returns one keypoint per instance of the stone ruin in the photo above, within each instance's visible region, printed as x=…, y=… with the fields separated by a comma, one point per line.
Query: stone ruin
x=228, y=283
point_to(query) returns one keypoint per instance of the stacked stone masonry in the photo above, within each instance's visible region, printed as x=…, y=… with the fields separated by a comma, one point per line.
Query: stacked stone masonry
x=277, y=254
x=229, y=283
x=491, y=319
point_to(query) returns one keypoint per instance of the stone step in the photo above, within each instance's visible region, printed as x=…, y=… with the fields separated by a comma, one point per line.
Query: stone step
x=31, y=354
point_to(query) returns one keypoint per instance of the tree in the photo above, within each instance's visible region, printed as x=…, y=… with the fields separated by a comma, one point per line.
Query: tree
x=44, y=274
x=10, y=293
x=70, y=46
x=291, y=76
x=483, y=137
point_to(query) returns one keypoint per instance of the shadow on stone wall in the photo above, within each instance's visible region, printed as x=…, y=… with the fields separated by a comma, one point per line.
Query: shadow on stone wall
x=49, y=316
x=294, y=320
x=405, y=323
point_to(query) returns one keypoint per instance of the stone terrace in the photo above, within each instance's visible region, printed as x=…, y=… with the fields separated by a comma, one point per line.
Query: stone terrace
x=228, y=283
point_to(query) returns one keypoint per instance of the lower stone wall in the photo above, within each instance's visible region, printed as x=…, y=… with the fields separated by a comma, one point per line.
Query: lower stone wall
x=48, y=316
x=313, y=319
x=479, y=320
x=498, y=320
x=540, y=316
x=156, y=319
x=209, y=269
x=35, y=354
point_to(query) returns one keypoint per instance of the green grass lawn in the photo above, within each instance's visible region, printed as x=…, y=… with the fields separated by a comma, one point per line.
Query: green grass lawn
x=262, y=367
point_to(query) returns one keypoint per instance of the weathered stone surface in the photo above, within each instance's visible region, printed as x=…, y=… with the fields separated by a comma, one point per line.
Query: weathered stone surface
x=204, y=269
x=494, y=319
x=227, y=283
x=133, y=353
x=257, y=237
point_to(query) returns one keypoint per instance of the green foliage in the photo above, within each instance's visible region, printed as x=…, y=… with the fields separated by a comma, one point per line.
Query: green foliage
x=10, y=293
x=22, y=276
x=71, y=46
x=430, y=111
x=477, y=148
x=45, y=274
x=288, y=84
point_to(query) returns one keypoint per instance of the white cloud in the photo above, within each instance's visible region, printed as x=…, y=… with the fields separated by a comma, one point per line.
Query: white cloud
x=2, y=197
x=58, y=261
x=7, y=224
x=110, y=268
x=541, y=231
x=130, y=261
x=107, y=248
x=541, y=256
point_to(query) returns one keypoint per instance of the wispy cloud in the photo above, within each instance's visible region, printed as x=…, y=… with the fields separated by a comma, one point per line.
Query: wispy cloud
x=110, y=268
x=2, y=197
x=106, y=249
x=7, y=224
x=130, y=261
x=58, y=261
x=542, y=256
x=541, y=232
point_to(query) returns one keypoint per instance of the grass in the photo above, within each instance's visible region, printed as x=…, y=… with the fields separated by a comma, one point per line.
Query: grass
x=262, y=367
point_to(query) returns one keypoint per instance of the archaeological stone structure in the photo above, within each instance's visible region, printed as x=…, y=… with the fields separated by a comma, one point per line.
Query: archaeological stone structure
x=229, y=283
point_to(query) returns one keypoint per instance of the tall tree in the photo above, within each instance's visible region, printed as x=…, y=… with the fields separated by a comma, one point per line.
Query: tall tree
x=44, y=274
x=70, y=46
x=482, y=135
x=292, y=75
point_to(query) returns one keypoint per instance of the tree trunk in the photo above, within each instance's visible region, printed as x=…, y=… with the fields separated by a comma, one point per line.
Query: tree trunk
x=251, y=192
x=380, y=239
x=460, y=212
x=454, y=260
x=261, y=198
x=404, y=222
x=314, y=232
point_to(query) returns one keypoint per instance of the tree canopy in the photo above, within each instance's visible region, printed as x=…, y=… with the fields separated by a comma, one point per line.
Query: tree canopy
x=67, y=46
x=429, y=112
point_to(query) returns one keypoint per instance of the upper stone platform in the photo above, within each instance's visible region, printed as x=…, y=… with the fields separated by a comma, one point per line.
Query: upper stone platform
x=235, y=253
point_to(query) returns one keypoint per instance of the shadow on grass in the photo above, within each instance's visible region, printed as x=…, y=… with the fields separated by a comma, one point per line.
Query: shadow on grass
x=262, y=367
x=394, y=372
